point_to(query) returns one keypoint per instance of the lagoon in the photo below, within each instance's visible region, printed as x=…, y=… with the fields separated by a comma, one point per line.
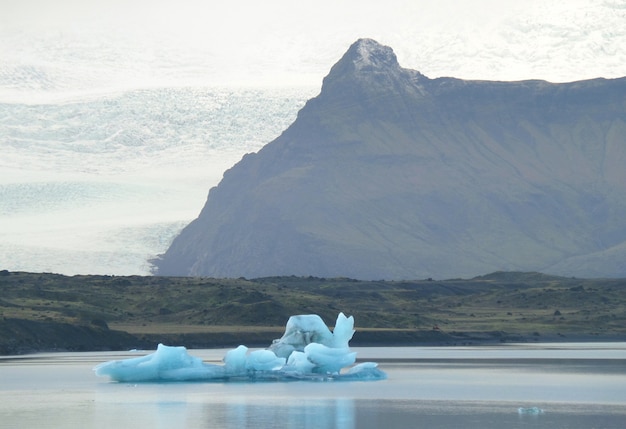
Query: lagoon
x=577, y=385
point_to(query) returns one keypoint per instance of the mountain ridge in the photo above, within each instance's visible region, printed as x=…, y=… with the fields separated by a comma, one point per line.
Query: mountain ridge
x=390, y=174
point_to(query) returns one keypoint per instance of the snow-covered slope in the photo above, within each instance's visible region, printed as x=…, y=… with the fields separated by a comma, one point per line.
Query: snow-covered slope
x=390, y=174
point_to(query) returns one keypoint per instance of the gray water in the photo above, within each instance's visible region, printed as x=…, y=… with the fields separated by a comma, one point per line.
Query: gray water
x=577, y=386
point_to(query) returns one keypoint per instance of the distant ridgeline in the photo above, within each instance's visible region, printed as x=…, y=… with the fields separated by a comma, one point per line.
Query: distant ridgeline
x=389, y=174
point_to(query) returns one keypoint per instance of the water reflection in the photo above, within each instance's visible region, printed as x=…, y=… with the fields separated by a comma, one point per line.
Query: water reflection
x=224, y=412
x=308, y=413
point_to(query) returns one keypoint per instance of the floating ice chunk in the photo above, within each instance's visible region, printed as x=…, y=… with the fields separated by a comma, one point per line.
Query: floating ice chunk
x=533, y=411
x=235, y=360
x=264, y=360
x=307, y=351
x=238, y=361
x=343, y=332
x=327, y=359
x=299, y=362
x=364, y=371
x=306, y=329
x=301, y=330
x=167, y=363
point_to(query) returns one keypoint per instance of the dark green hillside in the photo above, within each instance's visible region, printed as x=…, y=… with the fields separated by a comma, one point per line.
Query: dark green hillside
x=55, y=312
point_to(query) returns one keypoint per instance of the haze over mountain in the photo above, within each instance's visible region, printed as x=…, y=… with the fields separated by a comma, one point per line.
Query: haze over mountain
x=389, y=174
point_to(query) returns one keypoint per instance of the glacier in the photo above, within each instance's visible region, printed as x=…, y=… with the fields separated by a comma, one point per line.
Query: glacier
x=308, y=350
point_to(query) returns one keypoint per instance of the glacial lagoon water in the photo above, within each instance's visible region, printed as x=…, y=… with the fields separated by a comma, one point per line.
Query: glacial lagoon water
x=577, y=385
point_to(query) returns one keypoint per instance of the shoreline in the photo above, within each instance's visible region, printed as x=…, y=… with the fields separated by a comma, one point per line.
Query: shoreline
x=112, y=341
x=47, y=312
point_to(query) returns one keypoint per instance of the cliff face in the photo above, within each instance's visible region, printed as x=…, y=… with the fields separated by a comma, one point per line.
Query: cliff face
x=390, y=174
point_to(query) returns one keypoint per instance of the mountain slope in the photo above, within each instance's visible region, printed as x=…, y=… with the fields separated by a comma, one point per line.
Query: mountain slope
x=390, y=174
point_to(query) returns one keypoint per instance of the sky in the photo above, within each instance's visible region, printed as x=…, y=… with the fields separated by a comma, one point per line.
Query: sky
x=93, y=45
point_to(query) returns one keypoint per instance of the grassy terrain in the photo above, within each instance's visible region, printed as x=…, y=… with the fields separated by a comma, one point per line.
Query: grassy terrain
x=49, y=311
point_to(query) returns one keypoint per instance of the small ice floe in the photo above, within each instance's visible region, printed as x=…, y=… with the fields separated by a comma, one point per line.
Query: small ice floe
x=530, y=411
x=307, y=351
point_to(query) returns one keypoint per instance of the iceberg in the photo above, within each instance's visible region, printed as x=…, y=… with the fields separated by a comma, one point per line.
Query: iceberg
x=308, y=350
x=533, y=411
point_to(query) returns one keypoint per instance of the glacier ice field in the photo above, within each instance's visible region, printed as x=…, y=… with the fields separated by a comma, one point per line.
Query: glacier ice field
x=102, y=185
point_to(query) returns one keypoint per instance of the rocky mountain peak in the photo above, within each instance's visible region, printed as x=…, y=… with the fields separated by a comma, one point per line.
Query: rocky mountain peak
x=369, y=62
x=368, y=55
x=388, y=174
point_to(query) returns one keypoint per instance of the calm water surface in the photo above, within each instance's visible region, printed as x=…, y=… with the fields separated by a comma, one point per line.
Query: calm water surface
x=577, y=386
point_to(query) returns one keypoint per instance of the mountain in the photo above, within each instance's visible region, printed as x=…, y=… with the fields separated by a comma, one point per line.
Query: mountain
x=389, y=174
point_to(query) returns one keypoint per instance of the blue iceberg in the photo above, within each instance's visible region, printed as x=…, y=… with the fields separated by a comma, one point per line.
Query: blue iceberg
x=308, y=350
x=532, y=411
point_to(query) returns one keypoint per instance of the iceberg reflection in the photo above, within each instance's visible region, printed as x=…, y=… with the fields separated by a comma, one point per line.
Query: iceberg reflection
x=305, y=413
x=308, y=350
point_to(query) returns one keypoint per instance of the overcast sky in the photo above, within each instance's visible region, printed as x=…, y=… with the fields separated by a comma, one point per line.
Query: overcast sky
x=89, y=43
